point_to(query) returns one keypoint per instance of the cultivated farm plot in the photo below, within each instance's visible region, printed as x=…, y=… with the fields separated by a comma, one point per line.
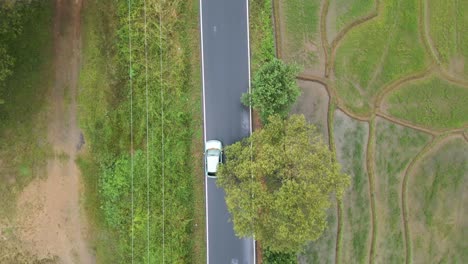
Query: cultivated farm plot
x=397, y=83
x=437, y=204
x=341, y=13
x=424, y=102
x=300, y=34
x=379, y=52
x=395, y=148
x=350, y=140
x=448, y=30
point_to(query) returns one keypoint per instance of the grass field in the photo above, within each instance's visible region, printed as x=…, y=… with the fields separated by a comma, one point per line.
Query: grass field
x=437, y=205
x=395, y=148
x=301, y=36
x=350, y=140
x=105, y=116
x=344, y=12
x=425, y=102
x=449, y=33
x=378, y=52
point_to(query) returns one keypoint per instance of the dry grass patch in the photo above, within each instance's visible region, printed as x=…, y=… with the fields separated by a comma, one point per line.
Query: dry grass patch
x=437, y=199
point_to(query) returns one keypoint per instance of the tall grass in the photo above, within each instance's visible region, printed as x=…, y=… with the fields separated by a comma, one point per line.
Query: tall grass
x=105, y=114
x=433, y=102
x=262, y=40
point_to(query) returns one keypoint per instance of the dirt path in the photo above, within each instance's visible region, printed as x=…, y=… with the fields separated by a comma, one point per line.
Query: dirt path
x=51, y=219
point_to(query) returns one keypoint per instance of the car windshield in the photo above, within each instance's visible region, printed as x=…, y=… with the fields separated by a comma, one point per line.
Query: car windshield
x=212, y=152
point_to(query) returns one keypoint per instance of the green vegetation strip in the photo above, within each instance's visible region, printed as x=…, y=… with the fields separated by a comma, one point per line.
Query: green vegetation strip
x=433, y=103
x=379, y=52
x=105, y=117
x=262, y=41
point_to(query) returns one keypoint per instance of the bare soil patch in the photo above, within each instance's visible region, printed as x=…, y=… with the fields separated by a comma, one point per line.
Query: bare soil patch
x=50, y=218
x=313, y=104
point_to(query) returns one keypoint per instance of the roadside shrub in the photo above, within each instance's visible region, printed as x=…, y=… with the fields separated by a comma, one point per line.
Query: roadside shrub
x=274, y=89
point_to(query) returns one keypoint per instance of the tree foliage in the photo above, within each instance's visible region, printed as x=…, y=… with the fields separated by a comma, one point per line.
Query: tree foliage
x=274, y=89
x=11, y=20
x=271, y=257
x=279, y=182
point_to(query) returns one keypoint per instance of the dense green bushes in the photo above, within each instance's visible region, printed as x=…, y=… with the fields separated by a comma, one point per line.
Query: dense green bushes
x=107, y=107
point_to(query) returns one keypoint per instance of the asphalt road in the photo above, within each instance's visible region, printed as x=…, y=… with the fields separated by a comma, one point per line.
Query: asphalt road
x=225, y=69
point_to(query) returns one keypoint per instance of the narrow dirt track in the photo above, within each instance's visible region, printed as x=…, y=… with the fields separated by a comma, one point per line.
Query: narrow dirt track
x=53, y=222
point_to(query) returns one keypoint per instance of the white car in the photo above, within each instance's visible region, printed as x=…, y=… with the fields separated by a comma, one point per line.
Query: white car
x=213, y=156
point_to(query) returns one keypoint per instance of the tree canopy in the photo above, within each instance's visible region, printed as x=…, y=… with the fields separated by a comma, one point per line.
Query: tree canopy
x=279, y=182
x=274, y=89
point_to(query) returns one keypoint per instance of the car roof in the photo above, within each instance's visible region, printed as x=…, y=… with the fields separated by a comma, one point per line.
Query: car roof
x=213, y=144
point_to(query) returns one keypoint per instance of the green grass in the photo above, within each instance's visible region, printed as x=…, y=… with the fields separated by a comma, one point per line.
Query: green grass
x=350, y=141
x=23, y=139
x=433, y=103
x=395, y=148
x=449, y=32
x=301, y=18
x=344, y=12
x=262, y=42
x=437, y=205
x=379, y=52
x=104, y=109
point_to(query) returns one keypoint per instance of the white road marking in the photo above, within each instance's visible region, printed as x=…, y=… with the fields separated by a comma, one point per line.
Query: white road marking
x=250, y=108
x=204, y=131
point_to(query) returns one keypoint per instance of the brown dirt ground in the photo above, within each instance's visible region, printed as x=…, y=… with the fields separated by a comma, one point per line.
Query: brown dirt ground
x=313, y=104
x=51, y=220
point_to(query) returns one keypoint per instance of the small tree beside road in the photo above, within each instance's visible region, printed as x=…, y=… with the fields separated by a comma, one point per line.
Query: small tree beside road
x=274, y=89
x=279, y=182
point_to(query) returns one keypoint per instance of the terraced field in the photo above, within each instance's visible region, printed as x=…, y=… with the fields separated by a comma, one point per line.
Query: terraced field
x=396, y=114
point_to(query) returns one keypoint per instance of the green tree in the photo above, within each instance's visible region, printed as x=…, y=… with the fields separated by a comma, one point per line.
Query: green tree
x=11, y=14
x=274, y=89
x=279, y=182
